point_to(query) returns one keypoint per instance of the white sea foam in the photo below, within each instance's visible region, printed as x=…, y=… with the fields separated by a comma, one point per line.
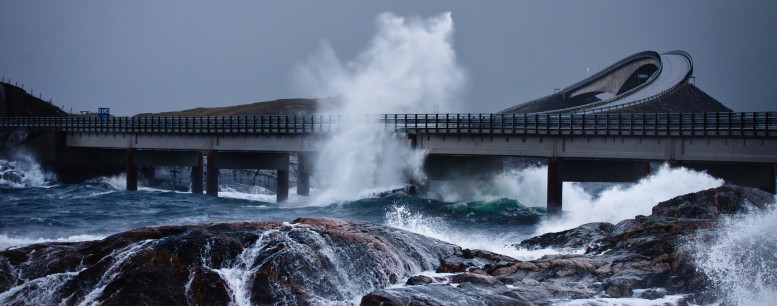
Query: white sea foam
x=626, y=201
x=528, y=186
x=666, y=300
x=250, y=193
x=23, y=171
x=409, y=67
x=12, y=242
x=741, y=258
x=119, y=257
x=118, y=181
x=438, y=228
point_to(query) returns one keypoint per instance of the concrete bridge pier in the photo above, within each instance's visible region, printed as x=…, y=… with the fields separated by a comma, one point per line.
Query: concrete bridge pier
x=282, y=183
x=303, y=174
x=555, y=187
x=132, y=172
x=212, y=181
x=196, y=175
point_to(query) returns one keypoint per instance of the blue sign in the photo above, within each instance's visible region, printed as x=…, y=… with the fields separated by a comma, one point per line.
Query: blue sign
x=104, y=112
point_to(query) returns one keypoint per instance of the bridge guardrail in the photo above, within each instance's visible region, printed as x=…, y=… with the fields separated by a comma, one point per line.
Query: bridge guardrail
x=750, y=124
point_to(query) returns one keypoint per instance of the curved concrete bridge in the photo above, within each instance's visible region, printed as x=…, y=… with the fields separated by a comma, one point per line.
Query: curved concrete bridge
x=636, y=79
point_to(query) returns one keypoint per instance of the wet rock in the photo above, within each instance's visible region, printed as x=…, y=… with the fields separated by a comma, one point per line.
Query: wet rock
x=474, y=278
x=307, y=261
x=467, y=260
x=641, y=257
x=465, y=294
x=576, y=238
x=419, y=280
x=651, y=294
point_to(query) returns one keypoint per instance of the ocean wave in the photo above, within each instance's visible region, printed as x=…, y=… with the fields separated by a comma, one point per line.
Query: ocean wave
x=740, y=257
x=10, y=242
x=22, y=172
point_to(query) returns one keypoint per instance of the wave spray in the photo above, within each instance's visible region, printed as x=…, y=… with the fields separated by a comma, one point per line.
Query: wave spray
x=740, y=258
x=408, y=67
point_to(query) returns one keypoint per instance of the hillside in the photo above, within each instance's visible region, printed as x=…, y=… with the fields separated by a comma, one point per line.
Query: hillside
x=16, y=102
x=687, y=98
x=277, y=107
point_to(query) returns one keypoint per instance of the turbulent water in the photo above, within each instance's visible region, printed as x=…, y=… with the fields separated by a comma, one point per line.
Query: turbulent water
x=503, y=212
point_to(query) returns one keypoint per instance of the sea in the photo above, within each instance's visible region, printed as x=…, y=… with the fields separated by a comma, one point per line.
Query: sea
x=492, y=215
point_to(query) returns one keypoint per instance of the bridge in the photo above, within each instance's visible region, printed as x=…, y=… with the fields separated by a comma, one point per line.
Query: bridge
x=636, y=79
x=741, y=148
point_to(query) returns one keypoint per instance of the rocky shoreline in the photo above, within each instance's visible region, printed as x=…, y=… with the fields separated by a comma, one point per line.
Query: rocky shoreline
x=647, y=252
x=330, y=261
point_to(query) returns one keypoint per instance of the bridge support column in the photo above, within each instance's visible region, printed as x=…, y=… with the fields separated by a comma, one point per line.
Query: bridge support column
x=212, y=180
x=303, y=174
x=132, y=172
x=555, y=187
x=282, y=194
x=197, y=176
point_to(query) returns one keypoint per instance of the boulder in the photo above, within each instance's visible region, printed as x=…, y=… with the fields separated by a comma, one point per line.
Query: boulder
x=576, y=238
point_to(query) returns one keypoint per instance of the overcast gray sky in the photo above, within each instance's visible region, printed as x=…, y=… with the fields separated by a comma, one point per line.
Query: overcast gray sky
x=149, y=56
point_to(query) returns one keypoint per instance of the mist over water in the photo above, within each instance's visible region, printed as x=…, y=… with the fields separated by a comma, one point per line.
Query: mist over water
x=408, y=67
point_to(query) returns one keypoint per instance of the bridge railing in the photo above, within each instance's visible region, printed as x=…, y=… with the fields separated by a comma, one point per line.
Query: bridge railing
x=750, y=124
x=756, y=124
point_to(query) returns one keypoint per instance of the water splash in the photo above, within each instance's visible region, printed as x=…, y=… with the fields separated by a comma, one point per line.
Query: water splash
x=12, y=242
x=239, y=274
x=39, y=291
x=437, y=227
x=741, y=258
x=23, y=171
x=409, y=66
x=624, y=201
x=528, y=187
x=119, y=258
